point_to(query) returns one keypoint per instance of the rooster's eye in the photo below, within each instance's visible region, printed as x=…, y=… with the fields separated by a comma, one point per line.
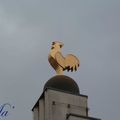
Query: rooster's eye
x=53, y=43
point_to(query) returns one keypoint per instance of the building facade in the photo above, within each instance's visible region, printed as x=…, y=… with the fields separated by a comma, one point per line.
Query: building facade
x=61, y=100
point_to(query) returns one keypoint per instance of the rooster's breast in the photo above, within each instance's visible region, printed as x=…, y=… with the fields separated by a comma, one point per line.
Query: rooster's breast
x=53, y=62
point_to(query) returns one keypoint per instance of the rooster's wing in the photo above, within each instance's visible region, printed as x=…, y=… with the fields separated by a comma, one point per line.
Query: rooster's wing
x=70, y=62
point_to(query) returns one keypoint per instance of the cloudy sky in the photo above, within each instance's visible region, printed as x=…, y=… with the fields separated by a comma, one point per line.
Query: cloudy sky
x=89, y=29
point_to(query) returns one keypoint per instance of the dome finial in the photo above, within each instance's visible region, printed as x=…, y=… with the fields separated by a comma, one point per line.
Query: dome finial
x=61, y=63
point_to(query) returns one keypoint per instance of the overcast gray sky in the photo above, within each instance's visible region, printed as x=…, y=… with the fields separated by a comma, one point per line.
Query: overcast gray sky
x=90, y=29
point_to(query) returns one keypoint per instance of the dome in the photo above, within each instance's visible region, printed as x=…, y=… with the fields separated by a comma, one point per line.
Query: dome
x=63, y=83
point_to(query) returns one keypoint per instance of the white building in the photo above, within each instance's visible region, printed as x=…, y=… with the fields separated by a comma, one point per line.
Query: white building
x=61, y=100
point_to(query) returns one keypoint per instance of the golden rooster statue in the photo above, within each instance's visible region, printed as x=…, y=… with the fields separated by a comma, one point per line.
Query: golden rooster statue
x=61, y=63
